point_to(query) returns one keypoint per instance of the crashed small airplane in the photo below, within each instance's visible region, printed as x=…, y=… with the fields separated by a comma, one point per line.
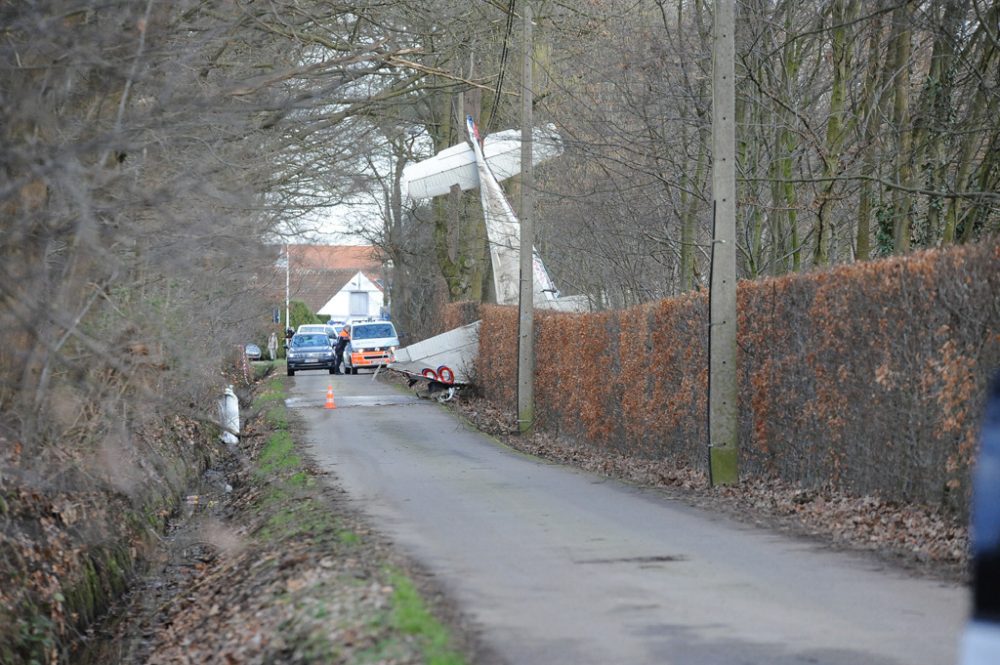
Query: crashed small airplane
x=481, y=163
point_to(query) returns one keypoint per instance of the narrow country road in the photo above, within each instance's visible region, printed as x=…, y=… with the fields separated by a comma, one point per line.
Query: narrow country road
x=556, y=566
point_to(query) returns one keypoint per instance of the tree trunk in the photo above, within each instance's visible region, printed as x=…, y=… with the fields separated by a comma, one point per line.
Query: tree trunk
x=984, y=106
x=869, y=115
x=933, y=118
x=459, y=227
x=793, y=61
x=901, y=198
x=842, y=14
x=689, y=221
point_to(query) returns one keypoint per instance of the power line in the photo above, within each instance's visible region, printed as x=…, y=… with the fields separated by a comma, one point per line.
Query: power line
x=503, y=67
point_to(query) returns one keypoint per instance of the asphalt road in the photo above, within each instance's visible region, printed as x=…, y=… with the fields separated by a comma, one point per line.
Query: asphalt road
x=555, y=565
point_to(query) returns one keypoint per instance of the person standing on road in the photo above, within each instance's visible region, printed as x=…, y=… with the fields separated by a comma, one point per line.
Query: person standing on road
x=272, y=345
x=343, y=337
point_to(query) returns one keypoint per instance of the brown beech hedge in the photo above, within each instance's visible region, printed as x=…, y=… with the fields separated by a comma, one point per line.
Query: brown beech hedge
x=867, y=377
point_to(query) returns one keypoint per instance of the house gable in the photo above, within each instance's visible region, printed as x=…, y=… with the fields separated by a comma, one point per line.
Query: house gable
x=318, y=272
x=348, y=301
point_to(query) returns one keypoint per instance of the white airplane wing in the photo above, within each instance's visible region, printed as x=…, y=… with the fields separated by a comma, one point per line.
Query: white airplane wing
x=435, y=176
x=457, y=165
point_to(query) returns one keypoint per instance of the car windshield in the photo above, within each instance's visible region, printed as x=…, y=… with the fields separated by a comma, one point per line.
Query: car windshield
x=373, y=331
x=310, y=340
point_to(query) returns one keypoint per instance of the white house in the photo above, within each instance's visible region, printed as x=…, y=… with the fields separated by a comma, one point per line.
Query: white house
x=360, y=297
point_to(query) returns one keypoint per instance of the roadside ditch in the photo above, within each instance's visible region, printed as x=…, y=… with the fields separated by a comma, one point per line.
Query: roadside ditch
x=267, y=563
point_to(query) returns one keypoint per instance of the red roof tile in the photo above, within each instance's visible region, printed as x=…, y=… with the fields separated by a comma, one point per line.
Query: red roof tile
x=336, y=257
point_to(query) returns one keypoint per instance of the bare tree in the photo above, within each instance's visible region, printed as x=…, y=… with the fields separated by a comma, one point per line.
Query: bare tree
x=865, y=129
x=152, y=150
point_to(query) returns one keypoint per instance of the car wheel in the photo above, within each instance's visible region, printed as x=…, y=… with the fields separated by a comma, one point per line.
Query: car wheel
x=331, y=371
x=291, y=372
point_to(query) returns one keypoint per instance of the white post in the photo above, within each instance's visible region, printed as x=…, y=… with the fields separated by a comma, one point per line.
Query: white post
x=229, y=411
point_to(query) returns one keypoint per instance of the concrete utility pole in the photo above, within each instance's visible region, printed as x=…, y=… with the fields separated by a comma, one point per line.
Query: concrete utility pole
x=722, y=388
x=526, y=320
x=288, y=270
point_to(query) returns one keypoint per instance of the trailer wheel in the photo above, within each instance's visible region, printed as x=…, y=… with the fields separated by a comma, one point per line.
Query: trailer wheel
x=445, y=374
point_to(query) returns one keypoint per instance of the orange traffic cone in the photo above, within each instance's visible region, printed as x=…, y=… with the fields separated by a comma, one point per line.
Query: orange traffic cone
x=329, y=398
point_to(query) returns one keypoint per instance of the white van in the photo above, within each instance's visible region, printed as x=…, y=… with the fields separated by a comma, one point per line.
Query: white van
x=324, y=328
x=372, y=345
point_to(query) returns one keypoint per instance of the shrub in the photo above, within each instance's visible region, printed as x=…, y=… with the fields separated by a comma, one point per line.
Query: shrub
x=868, y=377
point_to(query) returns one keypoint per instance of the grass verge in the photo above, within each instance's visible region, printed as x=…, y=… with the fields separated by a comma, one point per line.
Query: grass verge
x=288, y=573
x=410, y=615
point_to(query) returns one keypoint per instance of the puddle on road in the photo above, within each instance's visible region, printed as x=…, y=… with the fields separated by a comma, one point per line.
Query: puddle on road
x=669, y=558
x=353, y=400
